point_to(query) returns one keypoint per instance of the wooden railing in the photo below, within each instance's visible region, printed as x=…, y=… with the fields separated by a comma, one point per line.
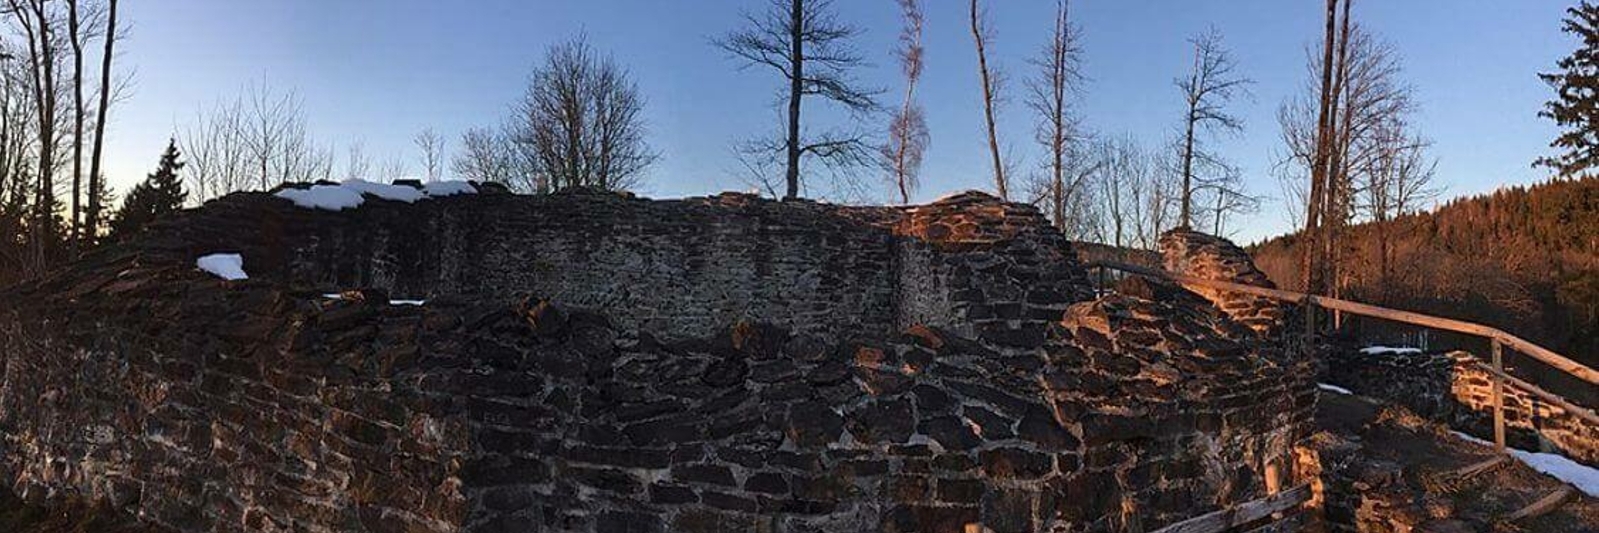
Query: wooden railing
x=1500, y=339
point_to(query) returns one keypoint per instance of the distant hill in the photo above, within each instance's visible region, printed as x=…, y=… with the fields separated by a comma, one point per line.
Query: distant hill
x=1524, y=259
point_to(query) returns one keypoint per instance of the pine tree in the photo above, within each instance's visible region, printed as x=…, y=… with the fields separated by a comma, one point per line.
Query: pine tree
x=159, y=194
x=1576, y=106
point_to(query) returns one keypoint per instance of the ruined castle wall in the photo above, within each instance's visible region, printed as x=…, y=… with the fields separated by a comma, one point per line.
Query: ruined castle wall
x=264, y=406
x=1195, y=254
x=1450, y=388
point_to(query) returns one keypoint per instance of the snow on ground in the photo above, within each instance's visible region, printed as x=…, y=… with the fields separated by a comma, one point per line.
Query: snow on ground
x=1585, y=478
x=226, y=266
x=440, y=189
x=1389, y=350
x=349, y=195
x=329, y=197
x=386, y=191
x=1334, y=388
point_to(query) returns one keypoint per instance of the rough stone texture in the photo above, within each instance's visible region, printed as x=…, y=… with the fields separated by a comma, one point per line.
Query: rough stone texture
x=707, y=364
x=1450, y=388
x=1380, y=468
x=1209, y=257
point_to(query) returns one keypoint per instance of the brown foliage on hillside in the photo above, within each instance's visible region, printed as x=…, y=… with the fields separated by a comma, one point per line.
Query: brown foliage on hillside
x=1525, y=259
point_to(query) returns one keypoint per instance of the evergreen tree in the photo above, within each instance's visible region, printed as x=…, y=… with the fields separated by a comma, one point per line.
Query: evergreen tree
x=1576, y=105
x=159, y=194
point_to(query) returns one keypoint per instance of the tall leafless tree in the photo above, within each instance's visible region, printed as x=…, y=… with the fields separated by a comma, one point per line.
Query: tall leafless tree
x=982, y=36
x=36, y=20
x=96, y=178
x=1210, y=86
x=810, y=47
x=432, y=147
x=75, y=35
x=1059, y=76
x=907, y=128
x=582, y=118
x=1347, y=145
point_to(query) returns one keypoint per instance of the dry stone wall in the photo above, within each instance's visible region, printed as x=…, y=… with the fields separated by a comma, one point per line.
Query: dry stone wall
x=1195, y=254
x=1450, y=388
x=944, y=370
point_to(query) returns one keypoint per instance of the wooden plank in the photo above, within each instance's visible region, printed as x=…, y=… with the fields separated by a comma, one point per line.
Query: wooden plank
x=1499, y=396
x=1541, y=507
x=1242, y=514
x=1534, y=351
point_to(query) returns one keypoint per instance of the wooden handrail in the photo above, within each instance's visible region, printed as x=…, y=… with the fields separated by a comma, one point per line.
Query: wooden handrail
x=1534, y=351
x=1498, y=337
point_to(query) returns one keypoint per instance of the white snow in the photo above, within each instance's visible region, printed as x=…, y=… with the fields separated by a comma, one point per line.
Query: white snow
x=1389, y=350
x=1585, y=478
x=329, y=197
x=386, y=191
x=348, y=195
x=440, y=189
x=226, y=266
x=1334, y=388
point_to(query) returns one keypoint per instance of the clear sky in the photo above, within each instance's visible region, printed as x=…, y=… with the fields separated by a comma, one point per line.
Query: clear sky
x=380, y=71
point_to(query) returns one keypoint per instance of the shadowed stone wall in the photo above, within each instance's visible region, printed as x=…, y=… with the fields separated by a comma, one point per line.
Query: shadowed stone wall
x=1450, y=388
x=943, y=371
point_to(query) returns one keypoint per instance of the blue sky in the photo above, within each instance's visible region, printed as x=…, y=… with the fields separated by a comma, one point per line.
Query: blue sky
x=380, y=71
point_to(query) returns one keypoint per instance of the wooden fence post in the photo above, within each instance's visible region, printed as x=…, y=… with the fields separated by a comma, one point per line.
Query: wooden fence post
x=1499, y=396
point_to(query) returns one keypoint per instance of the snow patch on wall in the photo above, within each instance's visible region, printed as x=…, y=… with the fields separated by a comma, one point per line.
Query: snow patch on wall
x=226, y=266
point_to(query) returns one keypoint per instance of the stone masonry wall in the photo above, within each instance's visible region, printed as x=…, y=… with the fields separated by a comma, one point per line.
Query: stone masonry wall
x=1204, y=256
x=964, y=382
x=1451, y=389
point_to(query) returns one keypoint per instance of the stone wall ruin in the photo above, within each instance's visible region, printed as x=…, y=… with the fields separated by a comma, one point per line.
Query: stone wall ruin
x=594, y=363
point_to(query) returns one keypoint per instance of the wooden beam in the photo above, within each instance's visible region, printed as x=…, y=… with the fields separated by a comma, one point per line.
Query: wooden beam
x=1534, y=351
x=1499, y=396
x=1543, y=505
x=1471, y=470
x=1515, y=382
x=1242, y=514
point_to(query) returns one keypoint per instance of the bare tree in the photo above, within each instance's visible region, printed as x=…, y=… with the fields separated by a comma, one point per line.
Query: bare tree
x=1059, y=75
x=357, y=165
x=809, y=46
x=1212, y=84
x=35, y=19
x=907, y=128
x=982, y=34
x=490, y=155
x=75, y=35
x=1347, y=149
x=1399, y=177
x=96, y=179
x=1137, y=199
x=432, y=146
x=258, y=140
x=582, y=119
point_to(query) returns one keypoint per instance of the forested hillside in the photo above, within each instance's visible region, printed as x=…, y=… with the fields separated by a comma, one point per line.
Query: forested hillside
x=1525, y=259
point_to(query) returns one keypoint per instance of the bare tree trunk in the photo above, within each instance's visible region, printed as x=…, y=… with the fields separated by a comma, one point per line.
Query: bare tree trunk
x=96, y=181
x=988, y=101
x=1313, y=283
x=78, y=224
x=1058, y=73
x=796, y=87
x=1186, y=210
